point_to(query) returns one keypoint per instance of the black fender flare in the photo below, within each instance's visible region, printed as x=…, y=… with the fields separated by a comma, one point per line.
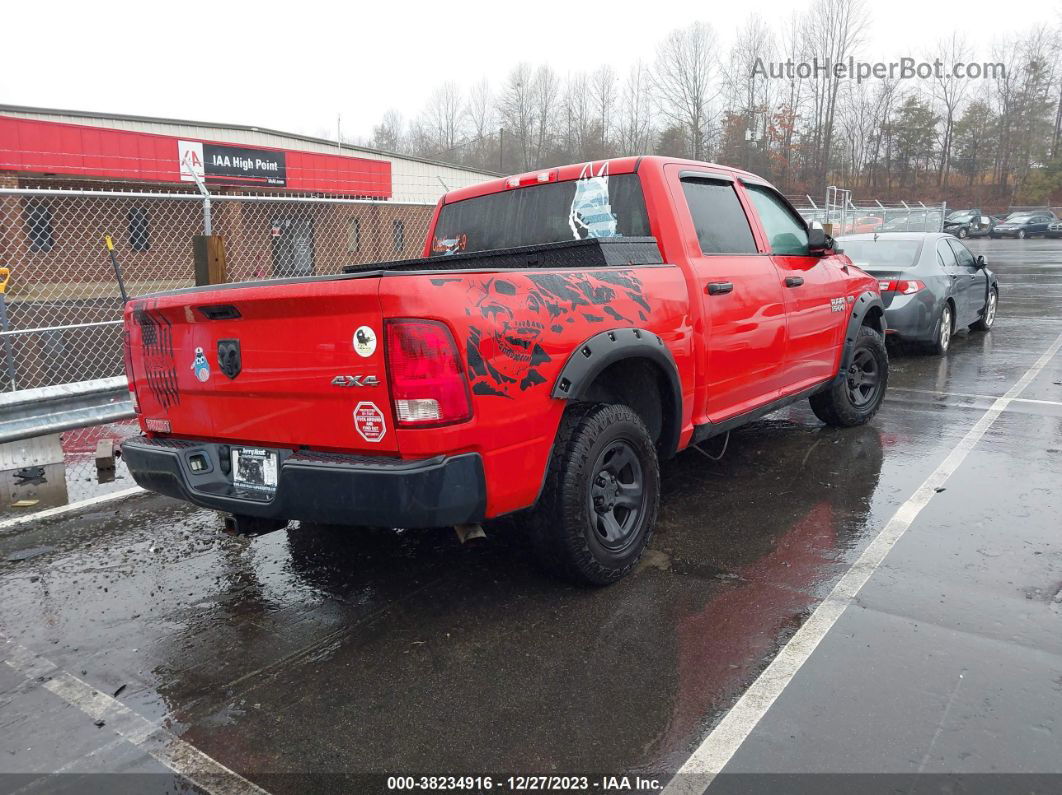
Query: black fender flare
x=862, y=305
x=591, y=358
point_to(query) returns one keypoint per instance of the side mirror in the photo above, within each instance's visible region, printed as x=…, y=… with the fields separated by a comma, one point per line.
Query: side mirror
x=981, y=261
x=818, y=241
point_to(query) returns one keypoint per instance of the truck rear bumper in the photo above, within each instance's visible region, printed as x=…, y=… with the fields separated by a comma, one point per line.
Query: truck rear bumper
x=330, y=488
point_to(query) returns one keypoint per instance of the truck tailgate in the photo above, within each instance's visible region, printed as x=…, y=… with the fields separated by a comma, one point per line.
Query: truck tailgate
x=285, y=364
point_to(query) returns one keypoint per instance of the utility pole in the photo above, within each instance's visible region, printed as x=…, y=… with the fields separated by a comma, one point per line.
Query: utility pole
x=501, y=149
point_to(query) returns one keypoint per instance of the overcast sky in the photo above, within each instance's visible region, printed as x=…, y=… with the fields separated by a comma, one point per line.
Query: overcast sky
x=294, y=66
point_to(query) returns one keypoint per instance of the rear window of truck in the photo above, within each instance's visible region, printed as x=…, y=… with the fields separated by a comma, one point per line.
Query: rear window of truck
x=554, y=212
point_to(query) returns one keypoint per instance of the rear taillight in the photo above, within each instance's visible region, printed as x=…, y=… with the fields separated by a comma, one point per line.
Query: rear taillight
x=427, y=378
x=902, y=286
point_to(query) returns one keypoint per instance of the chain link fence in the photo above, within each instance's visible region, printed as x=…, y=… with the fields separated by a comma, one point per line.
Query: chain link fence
x=850, y=216
x=60, y=317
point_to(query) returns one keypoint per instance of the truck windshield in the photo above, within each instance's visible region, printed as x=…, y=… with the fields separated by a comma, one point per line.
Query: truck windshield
x=554, y=212
x=882, y=254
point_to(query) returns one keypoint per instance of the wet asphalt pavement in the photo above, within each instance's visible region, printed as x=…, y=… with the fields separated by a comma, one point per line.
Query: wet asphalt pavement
x=334, y=654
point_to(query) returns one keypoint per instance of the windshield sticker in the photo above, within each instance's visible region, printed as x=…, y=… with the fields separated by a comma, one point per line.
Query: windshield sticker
x=450, y=245
x=591, y=213
x=201, y=366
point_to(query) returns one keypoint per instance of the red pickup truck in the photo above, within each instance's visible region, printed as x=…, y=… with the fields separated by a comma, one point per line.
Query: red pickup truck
x=564, y=331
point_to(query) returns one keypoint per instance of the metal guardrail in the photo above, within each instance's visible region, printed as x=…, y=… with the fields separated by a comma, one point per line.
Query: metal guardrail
x=51, y=409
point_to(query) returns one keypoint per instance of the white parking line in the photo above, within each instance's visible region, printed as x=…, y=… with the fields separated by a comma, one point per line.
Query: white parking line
x=712, y=755
x=971, y=395
x=59, y=510
x=182, y=758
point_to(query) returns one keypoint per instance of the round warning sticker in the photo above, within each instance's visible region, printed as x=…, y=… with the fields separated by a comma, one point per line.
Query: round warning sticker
x=369, y=422
x=364, y=341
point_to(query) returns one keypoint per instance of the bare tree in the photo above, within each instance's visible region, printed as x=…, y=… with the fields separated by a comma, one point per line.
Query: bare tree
x=516, y=108
x=636, y=125
x=858, y=122
x=577, y=117
x=1005, y=89
x=685, y=65
x=603, y=90
x=878, y=135
x=1056, y=138
x=545, y=99
x=752, y=89
x=782, y=129
x=835, y=31
x=479, y=110
x=444, y=118
x=482, y=122
x=949, y=92
x=388, y=134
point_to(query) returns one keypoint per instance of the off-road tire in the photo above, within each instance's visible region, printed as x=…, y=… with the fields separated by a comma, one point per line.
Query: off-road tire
x=564, y=530
x=835, y=405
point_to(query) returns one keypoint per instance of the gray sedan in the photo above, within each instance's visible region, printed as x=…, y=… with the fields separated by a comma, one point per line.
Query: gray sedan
x=931, y=284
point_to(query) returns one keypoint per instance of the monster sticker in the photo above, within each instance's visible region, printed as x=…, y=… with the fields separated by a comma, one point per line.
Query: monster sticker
x=521, y=312
x=591, y=211
x=201, y=366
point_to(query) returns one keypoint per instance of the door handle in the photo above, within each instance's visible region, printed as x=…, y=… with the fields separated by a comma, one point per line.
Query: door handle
x=793, y=281
x=720, y=288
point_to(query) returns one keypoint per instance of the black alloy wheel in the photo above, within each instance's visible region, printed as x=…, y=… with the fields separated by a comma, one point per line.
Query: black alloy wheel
x=617, y=495
x=863, y=379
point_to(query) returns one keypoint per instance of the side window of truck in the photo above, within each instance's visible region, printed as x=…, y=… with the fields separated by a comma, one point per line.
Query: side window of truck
x=786, y=231
x=721, y=225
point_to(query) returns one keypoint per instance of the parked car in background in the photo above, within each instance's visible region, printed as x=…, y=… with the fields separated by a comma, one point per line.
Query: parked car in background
x=968, y=223
x=863, y=224
x=931, y=284
x=1023, y=225
x=1054, y=229
x=914, y=222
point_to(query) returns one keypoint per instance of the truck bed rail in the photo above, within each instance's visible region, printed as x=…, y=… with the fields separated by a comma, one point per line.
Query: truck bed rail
x=606, y=252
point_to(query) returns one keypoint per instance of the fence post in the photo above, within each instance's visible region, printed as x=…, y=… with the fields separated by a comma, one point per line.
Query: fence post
x=9, y=354
x=206, y=200
x=209, y=254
